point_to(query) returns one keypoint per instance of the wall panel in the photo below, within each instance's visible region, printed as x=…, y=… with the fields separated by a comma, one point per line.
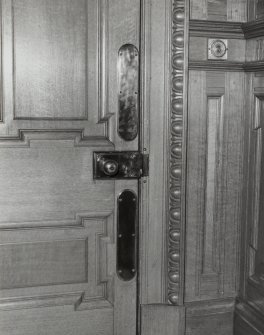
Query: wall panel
x=216, y=108
x=255, y=49
x=255, y=10
x=210, y=317
x=199, y=49
x=254, y=269
x=219, y=10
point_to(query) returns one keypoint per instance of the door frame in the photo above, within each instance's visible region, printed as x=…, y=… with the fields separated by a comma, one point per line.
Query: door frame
x=163, y=128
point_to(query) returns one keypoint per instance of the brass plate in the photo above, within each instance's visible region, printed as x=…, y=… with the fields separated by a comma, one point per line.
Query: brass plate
x=124, y=164
x=127, y=235
x=128, y=96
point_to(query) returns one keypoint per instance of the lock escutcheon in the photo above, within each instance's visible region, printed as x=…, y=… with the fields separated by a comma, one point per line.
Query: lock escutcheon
x=120, y=165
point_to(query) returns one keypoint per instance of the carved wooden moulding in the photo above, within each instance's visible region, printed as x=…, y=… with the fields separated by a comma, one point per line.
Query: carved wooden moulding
x=176, y=184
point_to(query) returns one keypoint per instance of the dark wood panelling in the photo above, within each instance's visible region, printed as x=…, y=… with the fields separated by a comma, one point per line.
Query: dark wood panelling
x=251, y=10
x=229, y=29
x=210, y=273
x=216, y=65
x=162, y=319
x=255, y=247
x=231, y=10
x=247, y=55
x=253, y=267
x=257, y=66
x=253, y=29
x=245, y=45
x=255, y=50
x=247, y=320
x=260, y=9
x=237, y=10
x=226, y=66
x=255, y=291
x=217, y=10
x=210, y=317
x=255, y=9
x=45, y=263
x=219, y=29
x=198, y=51
x=250, y=312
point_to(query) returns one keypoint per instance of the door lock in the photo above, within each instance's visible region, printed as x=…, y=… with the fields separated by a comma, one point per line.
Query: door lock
x=120, y=165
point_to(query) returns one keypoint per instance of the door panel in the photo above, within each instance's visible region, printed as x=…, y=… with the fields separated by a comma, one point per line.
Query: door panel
x=36, y=28
x=51, y=52
x=58, y=224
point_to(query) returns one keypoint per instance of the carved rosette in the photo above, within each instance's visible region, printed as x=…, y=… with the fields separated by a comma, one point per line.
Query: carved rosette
x=176, y=187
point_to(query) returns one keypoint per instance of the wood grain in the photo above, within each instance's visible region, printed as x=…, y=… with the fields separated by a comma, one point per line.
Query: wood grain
x=156, y=109
x=255, y=10
x=247, y=320
x=57, y=61
x=45, y=263
x=58, y=240
x=253, y=29
x=213, y=139
x=216, y=232
x=49, y=271
x=255, y=49
x=162, y=319
x=49, y=76
x=237, y=10
x=49, y=182
x=219, y=10
x=205, y=318
x=220, y=29
x=252, y=243
x=57, y=320
x=259, y=9
x=198, y=50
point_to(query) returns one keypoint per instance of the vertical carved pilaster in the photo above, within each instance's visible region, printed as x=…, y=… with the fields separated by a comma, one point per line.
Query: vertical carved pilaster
x=177, y=155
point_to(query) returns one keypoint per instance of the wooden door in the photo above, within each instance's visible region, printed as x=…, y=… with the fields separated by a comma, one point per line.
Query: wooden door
x=58, y=224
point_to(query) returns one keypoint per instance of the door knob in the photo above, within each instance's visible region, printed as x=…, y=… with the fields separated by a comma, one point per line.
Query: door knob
x=109, y=167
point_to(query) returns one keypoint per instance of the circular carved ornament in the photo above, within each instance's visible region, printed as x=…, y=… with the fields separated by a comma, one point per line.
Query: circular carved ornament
x=218, y=48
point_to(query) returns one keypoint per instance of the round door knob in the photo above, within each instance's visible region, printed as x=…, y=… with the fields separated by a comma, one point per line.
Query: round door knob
x=110, y=167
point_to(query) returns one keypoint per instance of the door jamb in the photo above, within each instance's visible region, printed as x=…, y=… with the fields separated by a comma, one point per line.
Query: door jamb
x=164, y=40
